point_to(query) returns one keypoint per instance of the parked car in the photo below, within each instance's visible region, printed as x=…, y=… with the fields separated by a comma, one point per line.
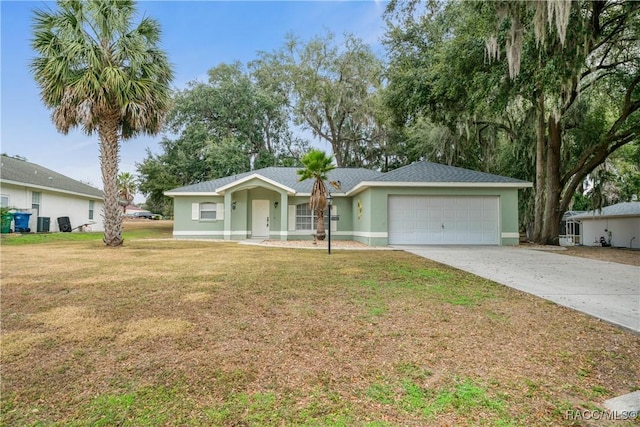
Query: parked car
x=147, y=215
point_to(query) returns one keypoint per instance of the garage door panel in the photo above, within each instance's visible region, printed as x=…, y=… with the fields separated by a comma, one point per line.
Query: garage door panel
x=443, y=220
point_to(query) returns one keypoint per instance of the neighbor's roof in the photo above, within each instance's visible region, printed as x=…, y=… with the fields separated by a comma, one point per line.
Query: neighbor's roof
x=21, y=172
x=617, y=210
x=353, y=180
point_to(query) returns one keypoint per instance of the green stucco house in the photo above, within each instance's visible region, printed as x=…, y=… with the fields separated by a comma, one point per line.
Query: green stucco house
x=420, y=204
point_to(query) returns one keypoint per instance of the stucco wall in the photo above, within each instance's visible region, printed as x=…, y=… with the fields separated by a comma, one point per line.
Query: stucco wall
x=54, y=205
x=363, y=217
x=185, y=227
x=622, y=231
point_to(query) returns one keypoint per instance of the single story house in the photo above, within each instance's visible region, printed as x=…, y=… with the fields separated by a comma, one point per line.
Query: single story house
x=422, y=203
x=619, y=224
x=48, y=195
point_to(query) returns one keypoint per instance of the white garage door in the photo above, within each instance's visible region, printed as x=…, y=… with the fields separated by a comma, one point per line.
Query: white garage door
x=442, y=220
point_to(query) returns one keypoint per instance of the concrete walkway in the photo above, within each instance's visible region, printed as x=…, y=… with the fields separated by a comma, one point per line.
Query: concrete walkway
x=605, y=290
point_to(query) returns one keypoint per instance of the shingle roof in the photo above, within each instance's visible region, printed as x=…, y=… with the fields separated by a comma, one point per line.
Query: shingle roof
x=288, y=177
x=435, y=172
x=349, y=178
x=620, y=209
x=27, y=173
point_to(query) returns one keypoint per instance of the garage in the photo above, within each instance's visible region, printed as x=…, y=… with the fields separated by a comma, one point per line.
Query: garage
x=443, y=220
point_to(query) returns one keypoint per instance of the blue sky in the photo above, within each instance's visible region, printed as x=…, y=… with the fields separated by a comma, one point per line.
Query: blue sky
x=197, y=36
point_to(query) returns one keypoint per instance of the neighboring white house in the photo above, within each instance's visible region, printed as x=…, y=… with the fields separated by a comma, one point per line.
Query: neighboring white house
x=619, y=225
x=31, y=188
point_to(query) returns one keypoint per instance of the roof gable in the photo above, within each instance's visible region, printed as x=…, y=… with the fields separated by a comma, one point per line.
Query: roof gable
x=30, y=174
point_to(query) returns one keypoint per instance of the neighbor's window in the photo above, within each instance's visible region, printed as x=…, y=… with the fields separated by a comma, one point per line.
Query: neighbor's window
x=4, y=202
x=35, y=201
x=91, y=207
x=208, y=211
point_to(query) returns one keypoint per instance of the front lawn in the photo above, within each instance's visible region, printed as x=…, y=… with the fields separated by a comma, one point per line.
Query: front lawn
x=200, y=333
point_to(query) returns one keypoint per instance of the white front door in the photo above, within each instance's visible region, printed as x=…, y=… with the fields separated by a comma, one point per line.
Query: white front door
x=260, y=218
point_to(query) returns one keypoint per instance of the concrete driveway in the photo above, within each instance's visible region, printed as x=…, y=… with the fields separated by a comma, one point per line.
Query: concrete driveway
x=605, y=290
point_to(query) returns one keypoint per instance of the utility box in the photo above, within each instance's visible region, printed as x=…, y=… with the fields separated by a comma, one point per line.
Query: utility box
x=44, y=223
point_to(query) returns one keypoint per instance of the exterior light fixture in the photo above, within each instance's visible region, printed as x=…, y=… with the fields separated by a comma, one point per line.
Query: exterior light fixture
x=233, y=205
x=275, y=205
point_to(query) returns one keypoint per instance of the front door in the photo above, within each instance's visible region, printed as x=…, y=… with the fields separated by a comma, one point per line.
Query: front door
x=259, y=218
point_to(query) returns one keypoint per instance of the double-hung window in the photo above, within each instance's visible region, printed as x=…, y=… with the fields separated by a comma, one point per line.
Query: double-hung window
x=91, y=208
x=208, y=210
x=35, y=202
x=306, y=218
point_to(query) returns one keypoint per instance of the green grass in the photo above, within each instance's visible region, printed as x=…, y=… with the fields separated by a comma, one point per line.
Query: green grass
x=158, y=229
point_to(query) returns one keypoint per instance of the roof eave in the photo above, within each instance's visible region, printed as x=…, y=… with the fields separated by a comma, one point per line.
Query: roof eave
x=367, y=184
x=53, y=189
x=191, y=193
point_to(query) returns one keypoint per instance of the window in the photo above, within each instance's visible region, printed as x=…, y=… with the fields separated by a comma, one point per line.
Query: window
x=5, y=201
x=35, y=202
x=91, y=207
x=306, y=219
x=207, y=211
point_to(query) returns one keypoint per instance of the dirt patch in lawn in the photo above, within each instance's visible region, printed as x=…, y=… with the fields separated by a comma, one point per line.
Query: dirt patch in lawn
x=619, y=255
x=203, y=333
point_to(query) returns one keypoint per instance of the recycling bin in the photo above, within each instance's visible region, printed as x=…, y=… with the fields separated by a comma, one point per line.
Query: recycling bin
x=21, y=222
x=7, y=219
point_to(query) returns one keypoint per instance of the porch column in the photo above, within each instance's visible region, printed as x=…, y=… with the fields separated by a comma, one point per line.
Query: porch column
x=284, y=216
x=227, y=215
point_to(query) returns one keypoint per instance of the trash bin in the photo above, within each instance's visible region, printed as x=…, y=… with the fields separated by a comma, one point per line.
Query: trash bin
x=44, y=222
x=64, y=224
x=7, y=218
x=21, y=222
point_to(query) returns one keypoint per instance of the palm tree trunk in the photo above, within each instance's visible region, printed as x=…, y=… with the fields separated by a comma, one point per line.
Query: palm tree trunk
x=109, y=158
x=320, y=231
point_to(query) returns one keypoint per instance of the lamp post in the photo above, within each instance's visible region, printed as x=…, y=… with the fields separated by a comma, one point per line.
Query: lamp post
x=329, y=200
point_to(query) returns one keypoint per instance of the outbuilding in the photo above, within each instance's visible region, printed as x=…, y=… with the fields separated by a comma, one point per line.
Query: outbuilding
x=616, y=225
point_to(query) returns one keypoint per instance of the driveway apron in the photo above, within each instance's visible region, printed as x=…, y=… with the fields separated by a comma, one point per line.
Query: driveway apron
x=605, y=290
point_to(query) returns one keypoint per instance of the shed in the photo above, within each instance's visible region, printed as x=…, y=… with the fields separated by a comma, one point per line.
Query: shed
x=619, y=224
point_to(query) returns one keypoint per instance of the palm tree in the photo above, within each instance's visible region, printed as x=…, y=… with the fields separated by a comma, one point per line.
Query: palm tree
x=317, y=164
x=126, y=189
x=98, y=71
